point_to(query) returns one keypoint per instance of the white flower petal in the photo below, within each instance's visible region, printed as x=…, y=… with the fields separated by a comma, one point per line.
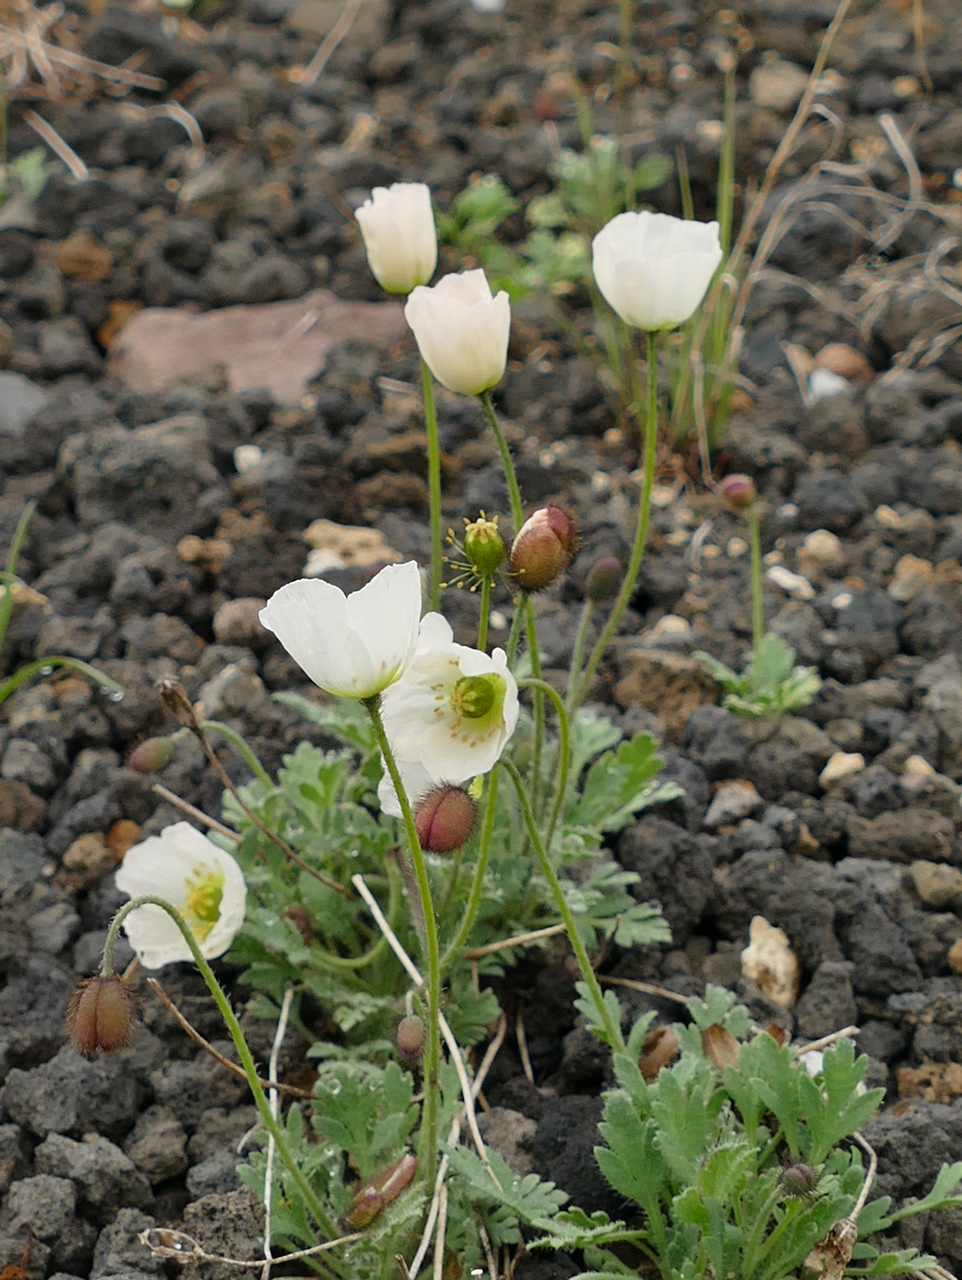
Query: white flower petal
x=653, y=269
x=400, y=238
x=462, y=331
x=352, y=646
x=172, y=866
x=415, y=779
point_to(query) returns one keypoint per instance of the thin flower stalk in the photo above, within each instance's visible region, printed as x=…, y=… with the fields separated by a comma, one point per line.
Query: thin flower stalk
x=314, y=1206
x=641, y=532
x=758, y=604
x=507, y=463
x=428, y=1138
x=23, y=524
x=44, y=665
x=612, y=1030
x=564, y=754
x=235, y=739
x=475, y=896
x=578, y=651
x=434, y=486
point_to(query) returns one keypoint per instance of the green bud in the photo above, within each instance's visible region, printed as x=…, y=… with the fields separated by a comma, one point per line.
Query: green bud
x=604, y=579
x=152, y=755
x=483, y=545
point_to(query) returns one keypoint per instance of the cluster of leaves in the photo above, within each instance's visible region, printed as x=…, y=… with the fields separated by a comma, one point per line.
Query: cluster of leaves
x=25, y=176
x=738, y=1167
x=301, y=931
x=771, y=683
x=591, y=186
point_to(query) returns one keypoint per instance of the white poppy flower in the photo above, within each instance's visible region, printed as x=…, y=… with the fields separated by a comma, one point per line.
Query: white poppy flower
x=353, y=646
x=462, y=331
x=454, y=708
x=204, y=883
x=397, y=224
x=654, y=270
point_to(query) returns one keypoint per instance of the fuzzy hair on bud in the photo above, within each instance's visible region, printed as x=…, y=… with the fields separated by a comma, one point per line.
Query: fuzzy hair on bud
x=409, y=1039
x=604, y=579
x=543, y=549
x=444, y=819
x=740, y=491
x=100, y=1018
x=152, y=755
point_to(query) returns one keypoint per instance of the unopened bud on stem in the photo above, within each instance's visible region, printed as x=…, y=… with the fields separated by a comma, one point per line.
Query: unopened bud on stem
x=544, y=547
x=604, y=579
x=444, y=819
x=740, y=491
x=100, y=1018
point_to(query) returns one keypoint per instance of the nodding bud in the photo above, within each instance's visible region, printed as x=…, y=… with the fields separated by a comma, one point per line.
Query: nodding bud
x=799, y=1179
x=100, y=1018
x=544, y=547
x=483, y=545
x=175, y=702
x=604, y=579
x=409, y=1039
x=444, y=819
x=740, y=491
x=152, y=755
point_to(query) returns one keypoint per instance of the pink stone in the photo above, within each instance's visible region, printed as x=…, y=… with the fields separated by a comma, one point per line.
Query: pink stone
x=279, y=346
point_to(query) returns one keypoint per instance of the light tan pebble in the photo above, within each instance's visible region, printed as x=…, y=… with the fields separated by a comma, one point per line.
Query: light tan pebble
x=912, y=576
x=936, y=884
x=771, y=963
x=843, y=764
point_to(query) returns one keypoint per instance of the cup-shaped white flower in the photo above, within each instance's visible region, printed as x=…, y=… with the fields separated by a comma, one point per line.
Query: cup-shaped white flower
x=453, y=710
x=654, y=270
x=462, y=331
x=204, y=883
x=397, y=224
x=353, y=646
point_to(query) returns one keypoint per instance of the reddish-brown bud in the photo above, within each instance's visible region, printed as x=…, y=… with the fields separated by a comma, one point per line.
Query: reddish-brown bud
x=100, y=1018
x=444, y=819
x=299, y=917
x=409, y=1039
x=544, y=547
x=151, y=755
x=740, y=491
x=604, y=580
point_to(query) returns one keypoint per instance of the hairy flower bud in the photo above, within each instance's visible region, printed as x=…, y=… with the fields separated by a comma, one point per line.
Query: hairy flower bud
x=409, y=1038
x=604, y=579
x=152, y=755
x=444, y=819
x=740, y=491
x=483, y=545
x=100, y=1018
x=799, y=1179
x=544, y=547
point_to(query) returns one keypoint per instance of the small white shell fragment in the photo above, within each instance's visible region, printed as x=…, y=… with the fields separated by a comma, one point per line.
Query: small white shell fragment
x=793, y=584
x=843, y=764
x=771, y=963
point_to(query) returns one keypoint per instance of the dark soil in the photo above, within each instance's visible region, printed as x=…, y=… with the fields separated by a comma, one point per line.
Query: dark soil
x=152, y=546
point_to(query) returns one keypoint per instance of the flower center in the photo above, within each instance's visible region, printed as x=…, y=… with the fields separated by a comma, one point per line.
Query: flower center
x=201, y=910
x=473, y=696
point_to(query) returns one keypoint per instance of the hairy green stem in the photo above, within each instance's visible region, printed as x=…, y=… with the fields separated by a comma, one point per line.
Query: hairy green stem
x=510, y=479
x=434, y=486
x=564, y=753
x=428, y=1137
x=46, y=664
x=641, y=531
x=476, y=892
x=538, y=708
x=485, y=618
x=313, y=1204
x=612, y=1030
x=237, y=741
